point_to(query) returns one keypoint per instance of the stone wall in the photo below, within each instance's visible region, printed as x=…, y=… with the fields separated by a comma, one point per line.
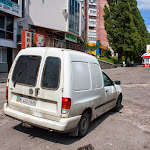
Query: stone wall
x=106, y=65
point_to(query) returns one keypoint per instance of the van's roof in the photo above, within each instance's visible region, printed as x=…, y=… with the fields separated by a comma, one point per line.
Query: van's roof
x=58, y=49
x=73, y=55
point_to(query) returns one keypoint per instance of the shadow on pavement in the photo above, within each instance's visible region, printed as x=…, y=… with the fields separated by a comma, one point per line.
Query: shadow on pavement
x=61, y=138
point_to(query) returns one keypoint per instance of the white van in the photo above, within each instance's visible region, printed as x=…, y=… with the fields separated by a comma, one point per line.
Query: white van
x=59, y=89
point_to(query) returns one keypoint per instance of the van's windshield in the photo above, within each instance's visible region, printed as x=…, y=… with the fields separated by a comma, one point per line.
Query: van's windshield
x=29, y=74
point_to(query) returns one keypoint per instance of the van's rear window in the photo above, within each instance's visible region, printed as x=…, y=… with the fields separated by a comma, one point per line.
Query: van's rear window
x=26, y=70
x=51, y=73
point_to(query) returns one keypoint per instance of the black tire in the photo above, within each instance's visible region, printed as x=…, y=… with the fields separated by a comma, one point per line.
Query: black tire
x=118, y=104
x=83, y=124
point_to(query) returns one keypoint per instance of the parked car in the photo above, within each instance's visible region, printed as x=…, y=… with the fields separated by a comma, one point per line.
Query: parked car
x=58, y=89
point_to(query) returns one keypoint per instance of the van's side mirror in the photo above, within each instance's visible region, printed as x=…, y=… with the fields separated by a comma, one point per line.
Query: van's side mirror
x=117, y=82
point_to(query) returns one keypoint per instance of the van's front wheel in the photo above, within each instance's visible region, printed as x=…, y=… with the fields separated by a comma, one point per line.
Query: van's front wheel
x=118, y=104
x=83, y=124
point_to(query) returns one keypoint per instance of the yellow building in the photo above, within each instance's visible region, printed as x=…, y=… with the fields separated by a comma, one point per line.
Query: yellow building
x=101, y=49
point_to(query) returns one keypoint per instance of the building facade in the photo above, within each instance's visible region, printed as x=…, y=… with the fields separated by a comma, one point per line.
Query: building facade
x=10, y=12
x=94, y=24
x=59, y=23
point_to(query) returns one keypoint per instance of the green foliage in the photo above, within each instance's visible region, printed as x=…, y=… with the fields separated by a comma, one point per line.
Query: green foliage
x=87, y=46
x=106, y=59
x=125, y=27
x=112, y=60
x=107, y=53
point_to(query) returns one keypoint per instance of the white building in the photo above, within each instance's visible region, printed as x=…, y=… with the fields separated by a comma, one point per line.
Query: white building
x=59, y=21
x=10, y=11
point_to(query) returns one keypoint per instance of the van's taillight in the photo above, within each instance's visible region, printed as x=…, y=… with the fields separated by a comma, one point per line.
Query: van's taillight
x=6, y=93
x=66, y=103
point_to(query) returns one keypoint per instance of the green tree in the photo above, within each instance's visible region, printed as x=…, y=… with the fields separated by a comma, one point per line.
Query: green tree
x=142, y=31
x=123, y=22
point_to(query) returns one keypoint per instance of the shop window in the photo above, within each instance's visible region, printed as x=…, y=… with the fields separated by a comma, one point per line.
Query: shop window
x=19, y=30
x=2, y=22
x=9, y=24
x=3, y=55
x=2, y=34
x=6, y=27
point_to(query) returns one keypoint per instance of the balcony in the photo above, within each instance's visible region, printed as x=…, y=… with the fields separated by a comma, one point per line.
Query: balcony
x=92, y=39
x=92, y=12
x=92, y=33
x=12, y=8
x=93, y=4
x=92, y=22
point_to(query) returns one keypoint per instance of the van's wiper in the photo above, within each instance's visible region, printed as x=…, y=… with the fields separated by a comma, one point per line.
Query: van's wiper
x=19, y=75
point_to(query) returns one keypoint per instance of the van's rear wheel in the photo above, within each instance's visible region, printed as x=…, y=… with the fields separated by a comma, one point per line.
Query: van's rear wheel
x=83, y=124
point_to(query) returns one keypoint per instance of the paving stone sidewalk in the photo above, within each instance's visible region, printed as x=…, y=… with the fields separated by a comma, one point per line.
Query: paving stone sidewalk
x=3, y=77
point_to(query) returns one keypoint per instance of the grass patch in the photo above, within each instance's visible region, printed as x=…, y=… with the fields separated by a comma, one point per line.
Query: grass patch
x=112, y=60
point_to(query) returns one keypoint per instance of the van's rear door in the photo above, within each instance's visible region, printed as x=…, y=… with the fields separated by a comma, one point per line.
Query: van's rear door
x=36, y=84
x=50, y=85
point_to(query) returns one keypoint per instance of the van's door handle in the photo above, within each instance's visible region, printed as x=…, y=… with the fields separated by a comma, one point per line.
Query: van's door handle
x=106, y=91
x=36, y=91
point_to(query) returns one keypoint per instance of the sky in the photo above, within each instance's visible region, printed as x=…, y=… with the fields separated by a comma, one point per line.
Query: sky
x=144, y=7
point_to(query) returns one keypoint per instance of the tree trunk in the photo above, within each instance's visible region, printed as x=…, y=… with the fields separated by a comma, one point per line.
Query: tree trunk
x=119, y=57
x=126, y=57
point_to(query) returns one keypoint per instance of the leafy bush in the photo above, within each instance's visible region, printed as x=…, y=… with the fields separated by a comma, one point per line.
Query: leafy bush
x=108, y=54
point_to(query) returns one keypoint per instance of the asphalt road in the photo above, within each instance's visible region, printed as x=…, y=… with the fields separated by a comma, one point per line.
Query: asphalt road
x=128, y=129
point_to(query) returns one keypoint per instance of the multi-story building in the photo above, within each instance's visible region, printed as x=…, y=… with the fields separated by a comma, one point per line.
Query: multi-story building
x=10, y=11
x=59, y=22
x=94, y=23
x=101, y=32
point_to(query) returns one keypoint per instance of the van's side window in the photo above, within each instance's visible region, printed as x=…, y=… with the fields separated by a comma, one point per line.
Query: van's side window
x=51, y=73
x=107, y=81
x=96, y=76
x=81, y=76
x=26, y=70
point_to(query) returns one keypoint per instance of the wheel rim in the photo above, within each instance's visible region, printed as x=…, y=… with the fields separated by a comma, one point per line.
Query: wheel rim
x=84, y=123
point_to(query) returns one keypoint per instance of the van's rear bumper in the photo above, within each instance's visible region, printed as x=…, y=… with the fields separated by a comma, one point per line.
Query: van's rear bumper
x=65, y=124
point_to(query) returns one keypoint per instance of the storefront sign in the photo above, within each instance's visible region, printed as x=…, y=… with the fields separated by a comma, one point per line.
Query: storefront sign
x=38, y=39
x=70, y=37
x=26, y=39
x=148, y=48
x=9, y=7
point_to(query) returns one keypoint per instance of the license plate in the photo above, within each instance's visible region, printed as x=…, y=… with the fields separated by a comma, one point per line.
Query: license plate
x=26, y=101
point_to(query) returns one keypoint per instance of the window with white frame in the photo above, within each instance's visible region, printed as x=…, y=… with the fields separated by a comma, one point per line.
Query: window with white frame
x=74, y=12
x=6, y=27
x=3, y=55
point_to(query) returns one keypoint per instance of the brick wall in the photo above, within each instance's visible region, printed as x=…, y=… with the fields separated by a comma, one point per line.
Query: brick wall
x=101, y=33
